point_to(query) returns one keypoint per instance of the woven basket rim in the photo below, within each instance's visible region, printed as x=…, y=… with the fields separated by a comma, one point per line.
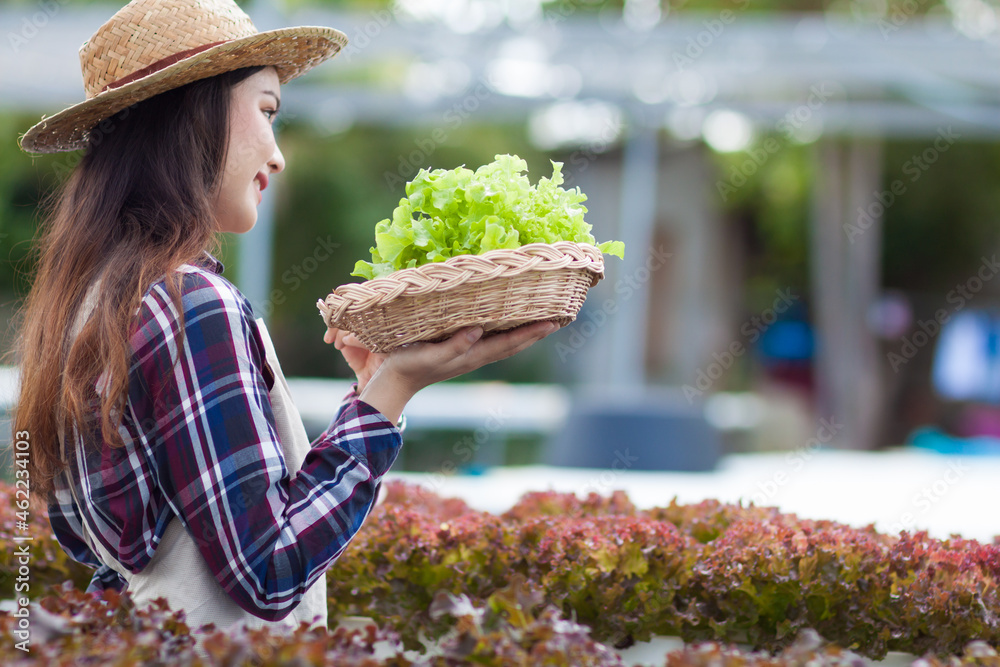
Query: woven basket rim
x=361, y=296
x=489, y=255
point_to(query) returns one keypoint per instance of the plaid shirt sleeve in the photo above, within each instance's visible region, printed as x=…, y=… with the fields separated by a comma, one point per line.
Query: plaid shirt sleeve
x=65, y=521
x=104, y=579
x=266, y=536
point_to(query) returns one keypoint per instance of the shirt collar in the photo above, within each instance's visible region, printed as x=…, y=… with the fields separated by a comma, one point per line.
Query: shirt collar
x=210, y=262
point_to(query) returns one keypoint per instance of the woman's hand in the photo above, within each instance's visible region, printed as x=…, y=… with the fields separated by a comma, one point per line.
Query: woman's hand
x=406, y=370
x=362, y=361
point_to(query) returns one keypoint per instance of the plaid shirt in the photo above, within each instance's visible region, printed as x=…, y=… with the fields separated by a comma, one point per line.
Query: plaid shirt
x=201, y=445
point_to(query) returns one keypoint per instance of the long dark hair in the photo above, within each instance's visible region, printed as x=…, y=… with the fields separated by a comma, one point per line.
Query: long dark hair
x=137, y=206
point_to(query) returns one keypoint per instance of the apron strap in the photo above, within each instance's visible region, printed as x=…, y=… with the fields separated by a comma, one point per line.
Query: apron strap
x=89, y=537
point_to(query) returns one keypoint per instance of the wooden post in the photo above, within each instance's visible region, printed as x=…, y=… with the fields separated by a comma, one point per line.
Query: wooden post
x=846, y=270
x=864, y=273
x=640, y=170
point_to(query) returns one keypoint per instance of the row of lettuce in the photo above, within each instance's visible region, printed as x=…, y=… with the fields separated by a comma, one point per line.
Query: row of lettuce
x=704, y=572
x=73, y=628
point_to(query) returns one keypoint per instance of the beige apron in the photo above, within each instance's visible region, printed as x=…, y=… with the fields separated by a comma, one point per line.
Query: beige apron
x=179, y=573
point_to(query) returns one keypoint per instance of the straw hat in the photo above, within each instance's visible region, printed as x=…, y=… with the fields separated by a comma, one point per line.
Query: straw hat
x=152, y=46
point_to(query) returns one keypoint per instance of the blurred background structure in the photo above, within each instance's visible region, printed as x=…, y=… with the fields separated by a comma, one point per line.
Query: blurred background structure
x=808, y=193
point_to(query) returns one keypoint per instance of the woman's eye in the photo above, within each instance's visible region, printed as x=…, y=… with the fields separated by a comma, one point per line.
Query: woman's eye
x=270, y=113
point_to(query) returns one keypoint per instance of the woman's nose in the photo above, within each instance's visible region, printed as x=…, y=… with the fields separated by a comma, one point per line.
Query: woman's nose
x=277, y=161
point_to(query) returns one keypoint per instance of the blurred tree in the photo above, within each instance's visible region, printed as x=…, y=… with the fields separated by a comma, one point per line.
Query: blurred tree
x=947, y=219
x=23, y=183
x=770, y=213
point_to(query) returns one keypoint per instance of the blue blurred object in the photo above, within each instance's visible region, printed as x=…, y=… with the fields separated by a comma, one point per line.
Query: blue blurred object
x=644, y=431
x=935, y=440
x=967, y=359
x=790, y=340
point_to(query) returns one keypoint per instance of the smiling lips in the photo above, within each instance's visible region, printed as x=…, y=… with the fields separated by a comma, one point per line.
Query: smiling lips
x=261, y=180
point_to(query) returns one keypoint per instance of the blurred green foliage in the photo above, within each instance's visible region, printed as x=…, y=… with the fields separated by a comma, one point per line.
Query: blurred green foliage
x=948, y=218
x=935, y=234
x=770, y=214
x=22, y=181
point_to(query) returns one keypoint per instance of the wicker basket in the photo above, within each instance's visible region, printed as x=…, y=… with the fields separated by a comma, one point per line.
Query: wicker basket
x=498, y=290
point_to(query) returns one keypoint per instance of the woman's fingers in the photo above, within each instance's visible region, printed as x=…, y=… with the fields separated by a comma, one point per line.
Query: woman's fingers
x=467, y=350
x=413, y=367
x=462, y=341
x=421, y=364
x=439, y=356
x=341, y=338
x=510, y=343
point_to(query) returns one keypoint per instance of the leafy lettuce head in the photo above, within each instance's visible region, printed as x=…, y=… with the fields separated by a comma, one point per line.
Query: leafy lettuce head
x=450, y=212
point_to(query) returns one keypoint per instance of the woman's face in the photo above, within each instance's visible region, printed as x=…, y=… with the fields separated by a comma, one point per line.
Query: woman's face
x=253, y=154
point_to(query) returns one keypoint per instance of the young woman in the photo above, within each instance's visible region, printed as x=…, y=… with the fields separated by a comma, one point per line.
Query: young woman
x=161, y=430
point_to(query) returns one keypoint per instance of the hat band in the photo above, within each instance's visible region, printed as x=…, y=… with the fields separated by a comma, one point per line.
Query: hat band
x=162, y=63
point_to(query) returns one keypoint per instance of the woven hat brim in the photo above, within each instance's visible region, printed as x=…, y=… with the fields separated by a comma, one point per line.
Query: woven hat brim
x=291, y=51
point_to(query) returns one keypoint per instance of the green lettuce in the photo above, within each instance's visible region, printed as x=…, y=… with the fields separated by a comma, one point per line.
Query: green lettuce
x=450, y=212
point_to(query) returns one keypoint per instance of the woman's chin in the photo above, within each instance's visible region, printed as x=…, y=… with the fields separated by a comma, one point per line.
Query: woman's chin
x=240, y=225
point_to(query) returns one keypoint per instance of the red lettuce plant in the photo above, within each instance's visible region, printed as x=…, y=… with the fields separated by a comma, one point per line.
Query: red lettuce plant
x=709, y=571
x=70, y=628
x=706, y=571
